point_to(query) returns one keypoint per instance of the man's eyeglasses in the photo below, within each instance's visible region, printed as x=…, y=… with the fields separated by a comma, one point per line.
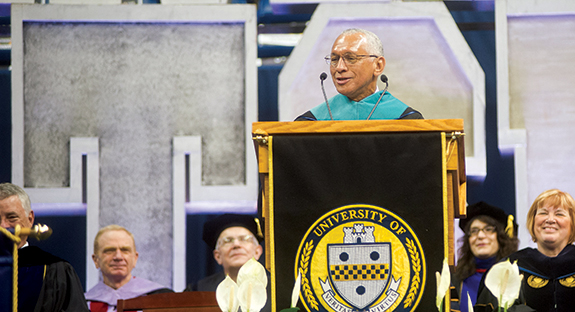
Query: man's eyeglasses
x=348, y=58
x=229, y=240
x=487, y=230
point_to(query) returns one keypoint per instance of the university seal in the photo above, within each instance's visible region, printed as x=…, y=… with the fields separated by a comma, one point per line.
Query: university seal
x=361, y=258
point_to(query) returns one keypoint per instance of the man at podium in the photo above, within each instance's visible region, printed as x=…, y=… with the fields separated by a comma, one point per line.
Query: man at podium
x=45, y=282
x=355, y=63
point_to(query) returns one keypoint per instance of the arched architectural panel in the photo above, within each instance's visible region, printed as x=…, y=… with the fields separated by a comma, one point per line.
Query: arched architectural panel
x=429, y=65
x=535, y=97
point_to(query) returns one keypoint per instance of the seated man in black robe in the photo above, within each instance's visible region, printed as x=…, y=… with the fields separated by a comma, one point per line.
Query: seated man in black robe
x=235, y=239
x=45, y=282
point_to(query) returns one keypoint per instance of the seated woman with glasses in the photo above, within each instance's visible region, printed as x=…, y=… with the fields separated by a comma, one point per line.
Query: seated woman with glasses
x=490, y=235
x=548, y=271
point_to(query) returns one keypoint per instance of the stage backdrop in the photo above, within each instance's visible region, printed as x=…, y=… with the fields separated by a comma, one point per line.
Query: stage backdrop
x=135, y=89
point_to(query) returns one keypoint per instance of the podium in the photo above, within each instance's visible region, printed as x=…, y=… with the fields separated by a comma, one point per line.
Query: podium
x=196, y=301
x=363, y=210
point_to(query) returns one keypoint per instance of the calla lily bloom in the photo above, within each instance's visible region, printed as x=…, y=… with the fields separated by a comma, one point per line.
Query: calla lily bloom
x=252, y=282
x=295, y=291
x=443, y=281
x=253, y=269
x=469, y=304
x=252, y=295
x=226, y=295
x=504, y=282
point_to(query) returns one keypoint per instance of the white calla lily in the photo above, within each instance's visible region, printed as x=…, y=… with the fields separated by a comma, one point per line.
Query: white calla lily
x=253, y=269
x=443, y=281
x=226, y=295
x=252, y=282
x=504, y=282
x=252, y=295
x=469, y=303
x=295, y=291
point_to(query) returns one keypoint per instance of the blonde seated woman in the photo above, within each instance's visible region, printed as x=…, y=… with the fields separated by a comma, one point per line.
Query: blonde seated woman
x=549, y=270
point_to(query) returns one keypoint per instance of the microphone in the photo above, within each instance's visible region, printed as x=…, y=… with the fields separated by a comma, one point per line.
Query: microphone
x=384, y=80
x=323, y=77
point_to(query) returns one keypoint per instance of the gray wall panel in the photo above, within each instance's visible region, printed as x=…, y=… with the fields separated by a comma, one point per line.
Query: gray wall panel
x=135, y=86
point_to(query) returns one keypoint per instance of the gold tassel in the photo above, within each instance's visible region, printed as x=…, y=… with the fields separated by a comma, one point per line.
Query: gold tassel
x=259, y=233
x=509, y=227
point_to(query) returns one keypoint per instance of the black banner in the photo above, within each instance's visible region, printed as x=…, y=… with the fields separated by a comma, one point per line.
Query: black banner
x=313, y=175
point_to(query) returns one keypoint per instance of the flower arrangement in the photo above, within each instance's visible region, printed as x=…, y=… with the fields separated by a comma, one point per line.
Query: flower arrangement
x=504, y=282
x=294, y=295
x=250, y=291
x=443, y=282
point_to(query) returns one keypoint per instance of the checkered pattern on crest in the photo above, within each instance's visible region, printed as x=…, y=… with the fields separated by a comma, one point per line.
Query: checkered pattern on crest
x=364, y=272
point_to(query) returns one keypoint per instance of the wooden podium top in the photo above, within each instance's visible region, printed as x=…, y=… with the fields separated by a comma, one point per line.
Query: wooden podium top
x=452, y=127
x=197, y=301
x=356, y=126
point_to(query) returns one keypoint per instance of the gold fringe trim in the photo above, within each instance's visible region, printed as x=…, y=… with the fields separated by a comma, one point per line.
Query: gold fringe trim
x=510, y=228
x=259, y=228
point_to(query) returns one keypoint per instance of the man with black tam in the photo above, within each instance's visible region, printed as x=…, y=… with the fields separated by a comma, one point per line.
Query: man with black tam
x=490, y=235
x=235, y=239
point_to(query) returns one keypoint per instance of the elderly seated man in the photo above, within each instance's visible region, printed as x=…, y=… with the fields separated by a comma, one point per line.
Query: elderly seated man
x=115, y=256
x=235, y=239
x=45, y=282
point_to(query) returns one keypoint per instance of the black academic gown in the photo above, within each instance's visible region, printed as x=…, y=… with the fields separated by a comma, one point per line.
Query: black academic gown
x=548, y=282
x=47, y=283
x=211, y=282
